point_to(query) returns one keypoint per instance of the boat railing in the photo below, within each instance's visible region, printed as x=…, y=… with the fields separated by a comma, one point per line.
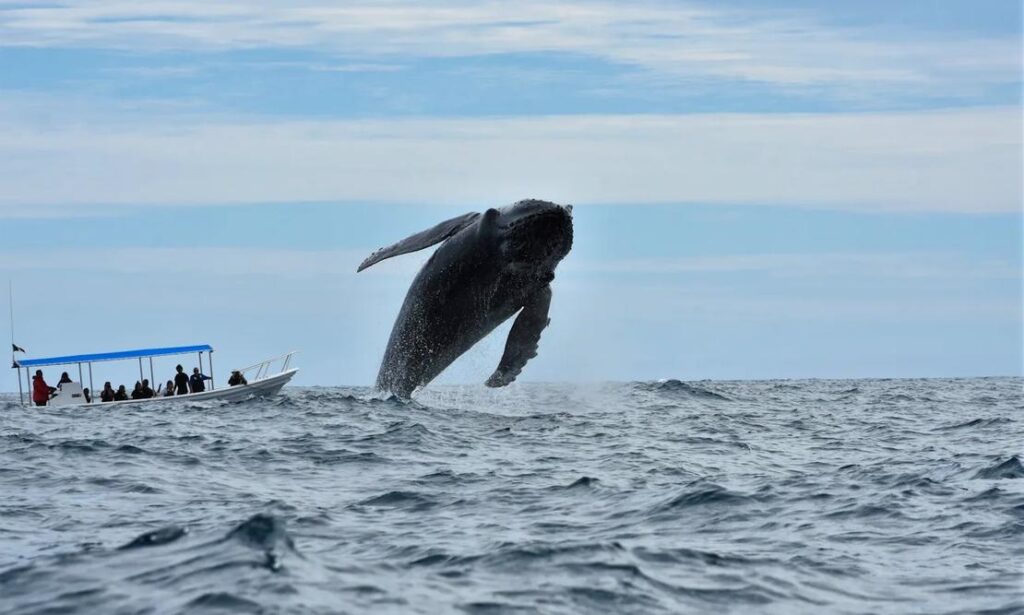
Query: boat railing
x=262, y=368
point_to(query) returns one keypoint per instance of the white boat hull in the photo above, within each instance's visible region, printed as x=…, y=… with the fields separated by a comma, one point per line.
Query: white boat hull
x=264, y=387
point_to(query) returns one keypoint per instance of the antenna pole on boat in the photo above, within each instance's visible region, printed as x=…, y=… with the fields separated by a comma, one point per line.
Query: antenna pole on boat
x=10, y=301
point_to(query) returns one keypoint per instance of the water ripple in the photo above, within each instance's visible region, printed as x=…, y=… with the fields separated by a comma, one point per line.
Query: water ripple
x=880, y=496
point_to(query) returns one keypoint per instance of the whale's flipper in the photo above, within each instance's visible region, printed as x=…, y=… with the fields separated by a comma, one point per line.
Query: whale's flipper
x=423, y=239
x=521, y=345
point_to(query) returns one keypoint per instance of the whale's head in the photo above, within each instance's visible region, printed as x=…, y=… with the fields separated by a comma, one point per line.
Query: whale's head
x=535, y=234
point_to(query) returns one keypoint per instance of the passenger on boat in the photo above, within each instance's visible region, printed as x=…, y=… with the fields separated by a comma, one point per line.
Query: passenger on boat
x=40, y=390
x=137, y=391
x=170, y=389
x=121, y=394
x=195, y=381
x=107, y=394
x=63, y=378
x=88, y=395
x=180, y=381
x=236, y=378
x=147, y=391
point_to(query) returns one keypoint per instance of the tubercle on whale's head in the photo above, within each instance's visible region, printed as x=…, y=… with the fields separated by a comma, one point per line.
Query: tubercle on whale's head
x=534, y=233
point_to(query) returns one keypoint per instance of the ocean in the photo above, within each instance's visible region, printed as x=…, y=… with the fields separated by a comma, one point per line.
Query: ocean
x=817, y=496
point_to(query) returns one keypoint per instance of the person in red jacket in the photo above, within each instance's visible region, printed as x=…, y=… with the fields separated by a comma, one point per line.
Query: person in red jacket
x=40, y=390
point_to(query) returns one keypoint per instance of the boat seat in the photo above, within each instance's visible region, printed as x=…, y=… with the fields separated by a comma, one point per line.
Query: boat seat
x=68, y=394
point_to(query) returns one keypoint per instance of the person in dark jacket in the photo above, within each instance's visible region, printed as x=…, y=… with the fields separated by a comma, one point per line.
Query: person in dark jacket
x=147, y=391
x=63, y=378
x=180, y=381
x=88, y=395
x=137, y=391
x=195, y=381
x=236, y=379
x=121, y=394
x=40, y=390
x=107, y=394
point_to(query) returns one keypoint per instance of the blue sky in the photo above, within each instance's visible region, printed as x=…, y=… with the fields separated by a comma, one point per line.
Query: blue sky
x=799, y=189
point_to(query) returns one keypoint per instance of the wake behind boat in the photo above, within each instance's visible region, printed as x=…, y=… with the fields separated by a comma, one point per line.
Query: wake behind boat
x=265, y=379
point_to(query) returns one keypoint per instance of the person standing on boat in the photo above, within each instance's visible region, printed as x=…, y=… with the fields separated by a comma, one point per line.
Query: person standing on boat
x=180, y=381
x=107, y=394
x=40, y=390
x=147, y=391
x=63, y=378
x=195, y=381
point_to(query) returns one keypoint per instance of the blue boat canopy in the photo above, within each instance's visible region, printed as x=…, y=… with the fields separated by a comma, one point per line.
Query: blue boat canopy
x=112, y=356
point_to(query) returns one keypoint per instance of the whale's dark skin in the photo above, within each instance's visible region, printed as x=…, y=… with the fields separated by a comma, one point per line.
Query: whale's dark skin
x=489, y=267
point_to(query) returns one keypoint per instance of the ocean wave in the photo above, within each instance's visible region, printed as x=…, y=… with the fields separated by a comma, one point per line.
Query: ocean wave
x=1010, y=468
x=678, y=387
x=777, y=496
x=410, y=500
x=263, y=531
x=158, y=537
x=583, y=482
x=700, y=494
x=224, y=601
x=977, y=423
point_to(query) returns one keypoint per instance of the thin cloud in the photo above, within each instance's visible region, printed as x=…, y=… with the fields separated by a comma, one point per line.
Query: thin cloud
x=334, y=263
x=686, y=40
x=209, y=261
x=963, y=161
x=156, y=72
x=917, y=265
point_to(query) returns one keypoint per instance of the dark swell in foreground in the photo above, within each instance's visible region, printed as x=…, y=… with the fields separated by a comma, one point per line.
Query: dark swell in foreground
x=852, y=496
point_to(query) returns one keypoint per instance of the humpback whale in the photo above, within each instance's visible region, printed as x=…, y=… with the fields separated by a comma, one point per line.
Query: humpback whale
x=488, y=267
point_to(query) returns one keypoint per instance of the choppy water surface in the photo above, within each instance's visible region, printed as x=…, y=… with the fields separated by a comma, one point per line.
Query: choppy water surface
x=788, y=496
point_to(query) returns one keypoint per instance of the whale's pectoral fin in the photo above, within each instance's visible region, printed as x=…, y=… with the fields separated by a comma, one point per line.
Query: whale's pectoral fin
x=522, y=340
x=423, y=239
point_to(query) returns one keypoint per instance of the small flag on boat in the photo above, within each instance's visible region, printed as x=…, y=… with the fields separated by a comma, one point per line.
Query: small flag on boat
x=16, y=348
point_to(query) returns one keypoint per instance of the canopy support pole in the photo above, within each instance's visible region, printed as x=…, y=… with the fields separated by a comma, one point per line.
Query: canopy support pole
x=151, y=378
x=141, y=377
x=28, y=384
x=212, y=387
x=80, y=373
x=21, y=396
x=92, y=389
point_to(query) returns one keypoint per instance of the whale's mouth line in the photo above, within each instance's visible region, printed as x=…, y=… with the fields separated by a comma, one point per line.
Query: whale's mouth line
x=550, y=230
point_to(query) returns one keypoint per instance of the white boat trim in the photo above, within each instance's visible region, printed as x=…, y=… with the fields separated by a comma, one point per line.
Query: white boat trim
x=264, y=387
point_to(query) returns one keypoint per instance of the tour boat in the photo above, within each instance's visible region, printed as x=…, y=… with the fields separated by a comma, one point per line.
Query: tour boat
x=264, y=381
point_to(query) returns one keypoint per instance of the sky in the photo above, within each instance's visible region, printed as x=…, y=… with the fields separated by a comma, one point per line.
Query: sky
x=791, y=189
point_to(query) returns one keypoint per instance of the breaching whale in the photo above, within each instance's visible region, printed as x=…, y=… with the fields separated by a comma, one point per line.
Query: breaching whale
x=488, y=267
